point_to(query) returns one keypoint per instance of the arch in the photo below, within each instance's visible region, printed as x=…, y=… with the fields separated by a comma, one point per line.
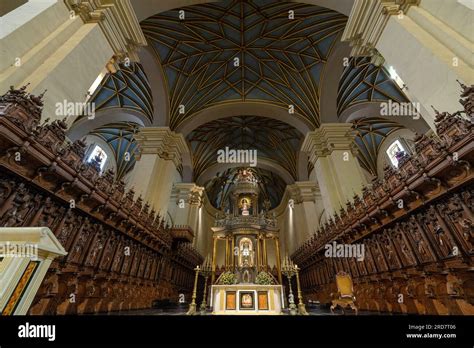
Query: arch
x=302, y=165
x=372, y=109
x=84, y=126
x=263, y=163
x=159, y=88
x=187, y=163
x=330, y=79
x=242, y=109
x=146, y=8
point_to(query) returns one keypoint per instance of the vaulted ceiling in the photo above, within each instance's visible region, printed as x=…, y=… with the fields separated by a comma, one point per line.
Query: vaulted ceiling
x=272, y=187
x=273, y=140
x=370, y=132
x=236, y=50
x=364, y=82
x=128, y=88
x=230, y=51
x=120, y=139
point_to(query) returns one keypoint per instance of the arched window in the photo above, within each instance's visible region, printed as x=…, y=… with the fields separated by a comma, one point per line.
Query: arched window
x=395, y=151
x=98, y=152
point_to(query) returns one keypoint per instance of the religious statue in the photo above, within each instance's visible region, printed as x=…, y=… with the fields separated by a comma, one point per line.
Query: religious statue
x=246, y=253
x=444, y=240
x=245, y=204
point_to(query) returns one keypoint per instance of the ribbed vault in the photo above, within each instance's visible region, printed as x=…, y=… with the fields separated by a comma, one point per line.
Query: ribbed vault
x=273, y=140
x=272, y=187
x=364, y=82
x=243, y=50
x=370, y=132
x=120, y=139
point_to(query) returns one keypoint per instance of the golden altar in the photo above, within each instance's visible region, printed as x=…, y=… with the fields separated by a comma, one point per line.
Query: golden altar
x=246, y=244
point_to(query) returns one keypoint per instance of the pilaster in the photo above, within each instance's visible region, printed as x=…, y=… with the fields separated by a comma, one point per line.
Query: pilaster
x=158, y=162
x=426, y=42
x=117, y=21
x=332, y=151
x=367, y=21
x=307, y=207
x=61, y=34
x=186, y=200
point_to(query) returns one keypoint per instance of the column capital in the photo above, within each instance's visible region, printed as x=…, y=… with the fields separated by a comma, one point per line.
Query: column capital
x=303, y=191
x=190, y=192
x=328, y=138
x=163, y=142
x=367, y=21
x=118, y=22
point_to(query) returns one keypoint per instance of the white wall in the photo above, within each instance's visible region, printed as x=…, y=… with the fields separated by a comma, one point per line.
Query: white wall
x=41, y=44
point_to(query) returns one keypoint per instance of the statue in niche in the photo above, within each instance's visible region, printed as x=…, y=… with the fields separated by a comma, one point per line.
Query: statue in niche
x=421, y=245
x=246, y=253
x=468, y=231
x=246, y=276
x=245, y=206
x=444, y=241
x=405, y=250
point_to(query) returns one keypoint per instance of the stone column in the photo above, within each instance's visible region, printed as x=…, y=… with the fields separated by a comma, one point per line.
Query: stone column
x=61, y=35
x=428, y=46
x=226, y=253
x=265, y=256
x=159, y=158
x=233, y=253
x=186, y=199
x=332, y=151
x=307, y=208
x=258, y=253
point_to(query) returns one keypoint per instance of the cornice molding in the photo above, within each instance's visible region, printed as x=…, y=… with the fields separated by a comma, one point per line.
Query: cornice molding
x=163, y=142
x=300, y=191
x=328, y=138
x=118, y=22
x=367, y=21
x=303, y=191
x=190, y=192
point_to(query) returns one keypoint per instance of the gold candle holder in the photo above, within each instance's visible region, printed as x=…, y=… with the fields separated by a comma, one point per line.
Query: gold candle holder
x=192, y=305
x=206, y=270
x=301, y=305
x=288, y=270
